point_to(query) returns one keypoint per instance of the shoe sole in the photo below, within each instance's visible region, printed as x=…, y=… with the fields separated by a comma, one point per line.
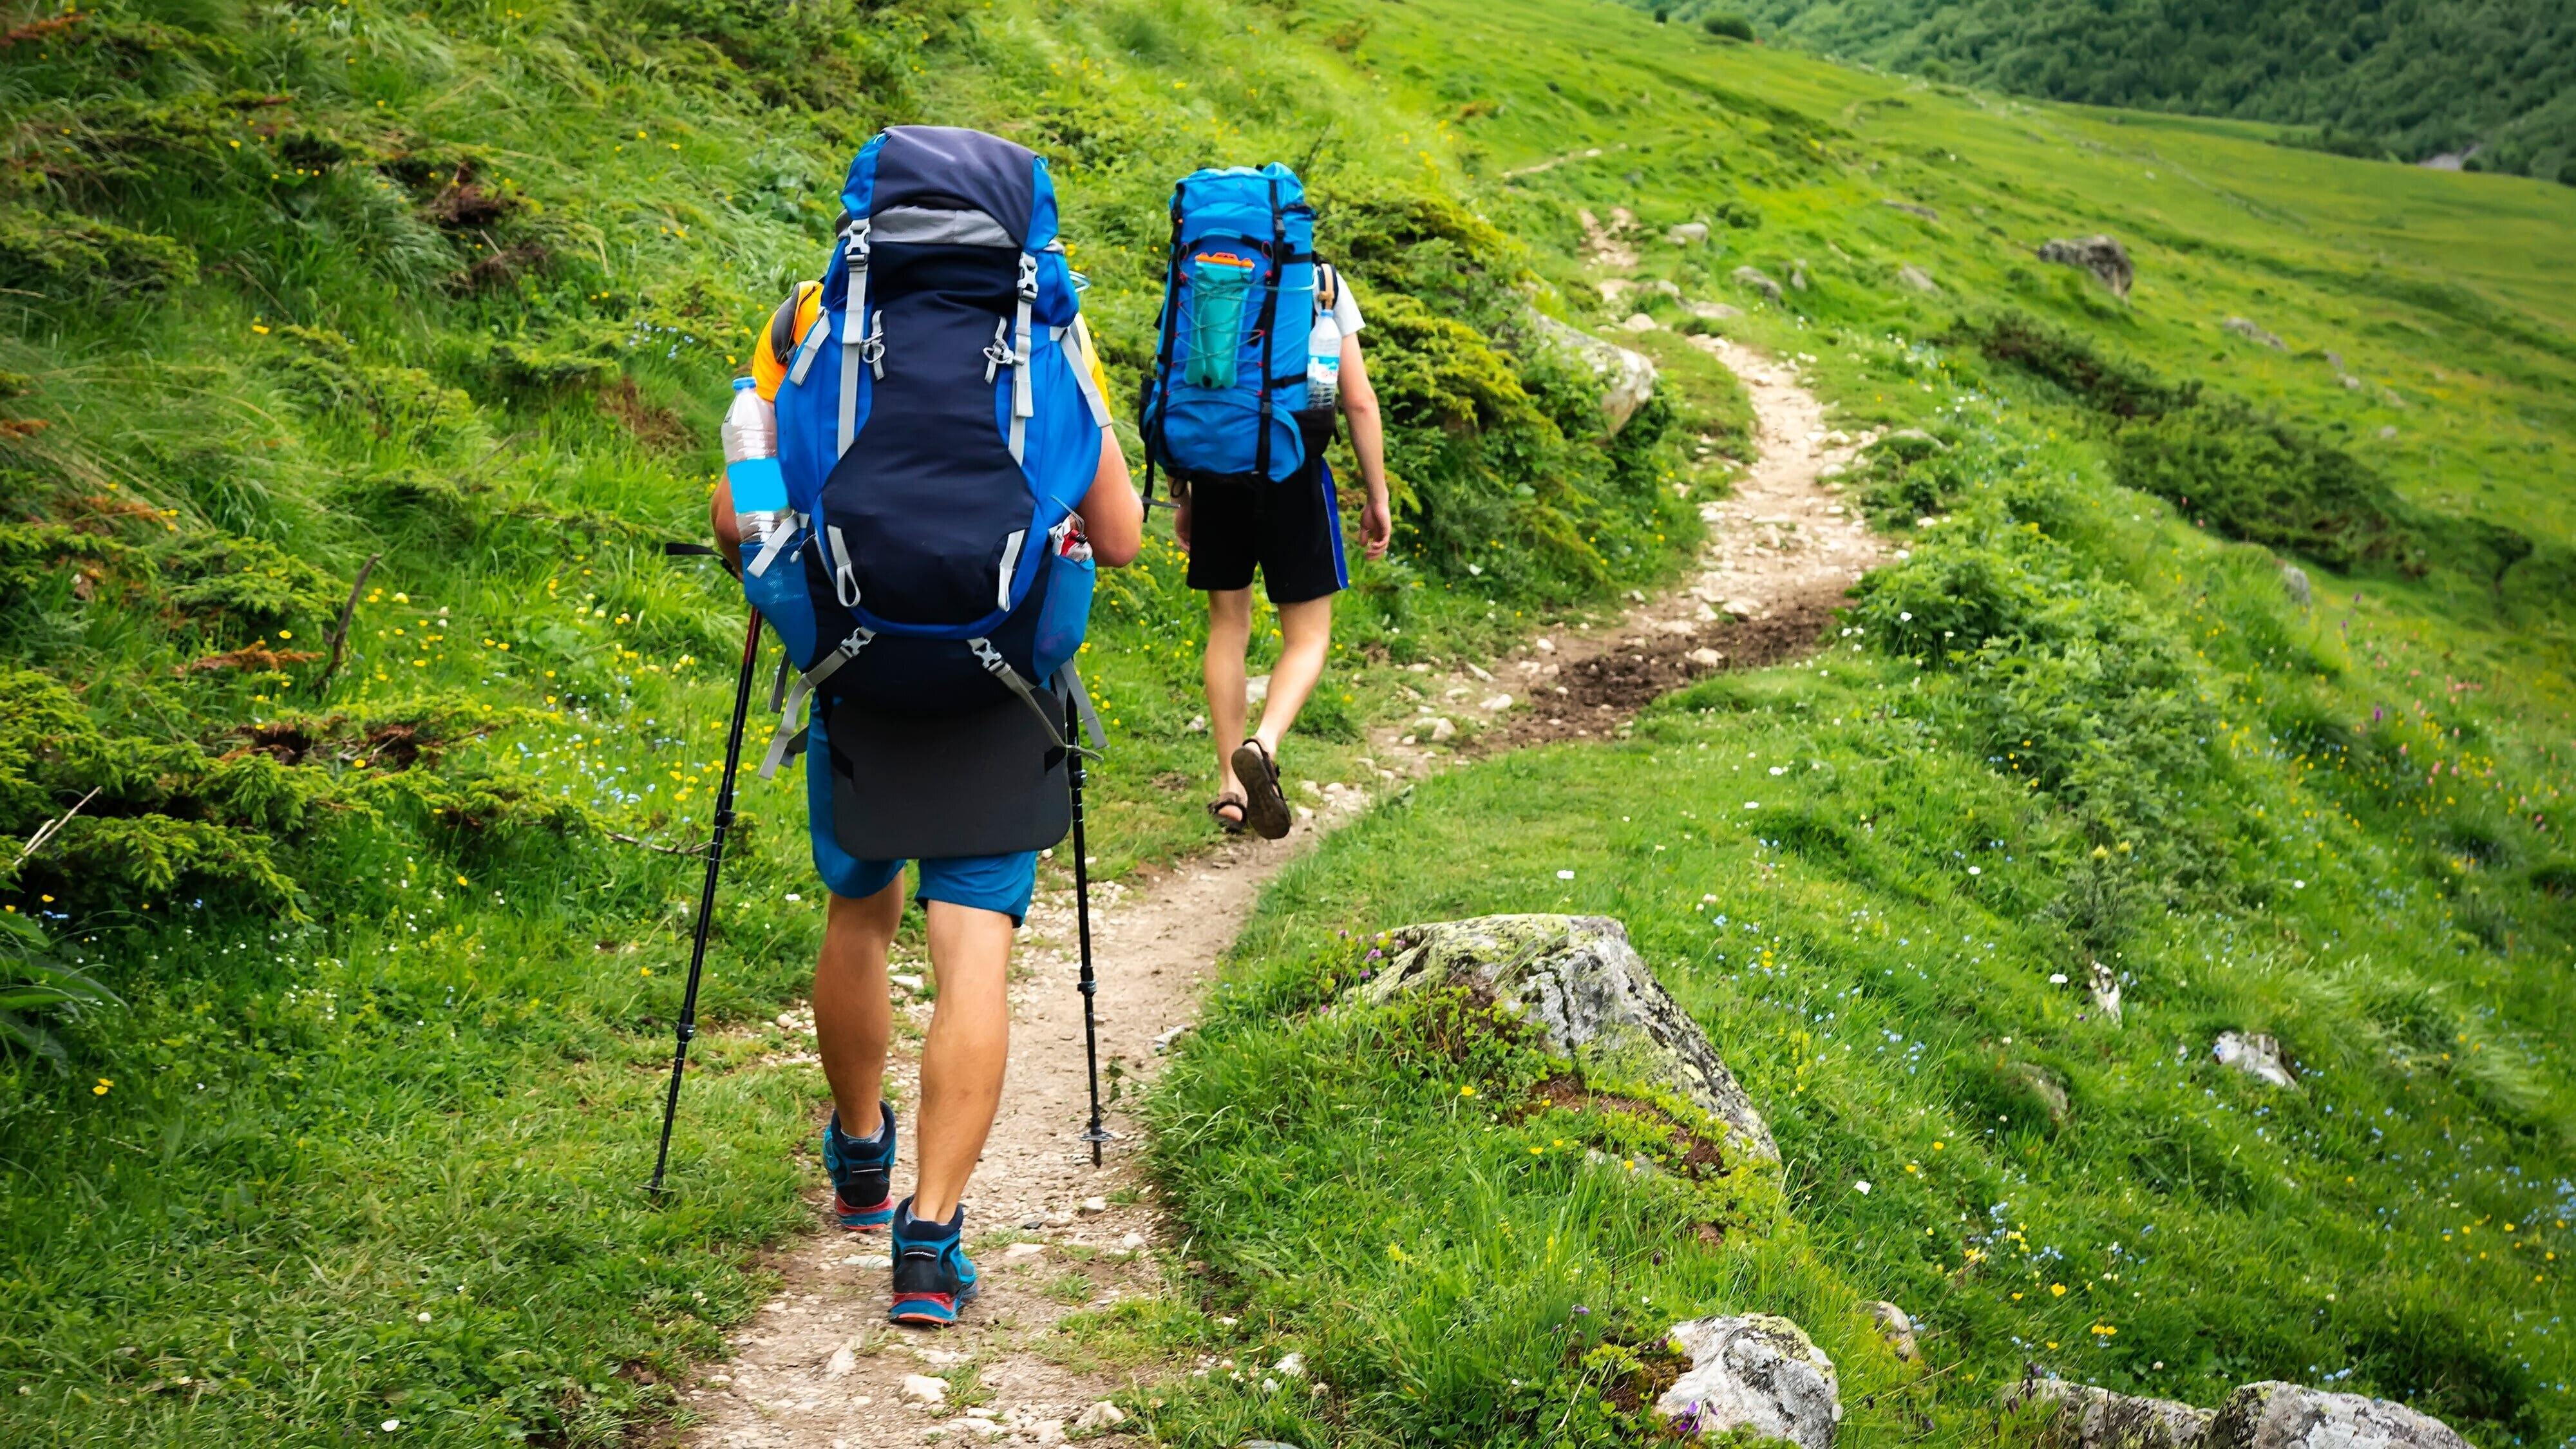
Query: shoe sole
x=931, y=1310
x=863, y=1220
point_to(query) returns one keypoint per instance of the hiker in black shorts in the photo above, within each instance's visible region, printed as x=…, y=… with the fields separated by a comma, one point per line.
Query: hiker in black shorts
x=1292, y=532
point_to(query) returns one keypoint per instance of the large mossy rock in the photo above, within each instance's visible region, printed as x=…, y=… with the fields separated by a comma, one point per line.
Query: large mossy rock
x=1756, y=1376
x=2094, y=1418
x=1578, y=982
x=2277, y=1415
x=1627, y=378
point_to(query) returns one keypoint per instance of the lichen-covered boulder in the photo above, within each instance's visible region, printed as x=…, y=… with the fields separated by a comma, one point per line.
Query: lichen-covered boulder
x=2255, y=1054
x=1759, y=1373
x=2092, y=1418
x=1895, y=1329
x=2103, y=256
x=1757, y=280
x=2275, y=1415
x=1627, y=378
x=1578, y=982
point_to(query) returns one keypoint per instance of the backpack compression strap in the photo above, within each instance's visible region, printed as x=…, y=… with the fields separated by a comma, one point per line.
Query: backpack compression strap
x=1158, y=387
x=1270, y=319
x=1023, y=396
x=788, y=738
x=856, y=346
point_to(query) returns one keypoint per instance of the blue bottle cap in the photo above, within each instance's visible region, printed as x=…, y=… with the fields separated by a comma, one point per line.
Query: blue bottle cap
x=740, y=383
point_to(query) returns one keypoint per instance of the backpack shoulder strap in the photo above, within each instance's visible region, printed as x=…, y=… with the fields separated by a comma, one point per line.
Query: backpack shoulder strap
x=787, y=326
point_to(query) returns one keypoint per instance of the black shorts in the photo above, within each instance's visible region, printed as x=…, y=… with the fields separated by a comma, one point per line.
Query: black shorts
x=1292, y=530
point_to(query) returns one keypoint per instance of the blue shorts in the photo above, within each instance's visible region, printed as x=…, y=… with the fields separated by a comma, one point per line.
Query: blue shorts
x=1000, y=883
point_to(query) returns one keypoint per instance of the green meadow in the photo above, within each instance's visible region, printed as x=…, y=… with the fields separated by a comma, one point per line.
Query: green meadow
x=362, y=976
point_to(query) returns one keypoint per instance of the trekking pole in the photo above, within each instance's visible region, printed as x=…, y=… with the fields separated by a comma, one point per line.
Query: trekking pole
x=1082, y=926
x=707, y=892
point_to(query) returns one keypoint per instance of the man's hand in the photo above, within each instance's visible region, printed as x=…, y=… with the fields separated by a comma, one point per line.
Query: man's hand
x=1377, y=528
x=1181, y=523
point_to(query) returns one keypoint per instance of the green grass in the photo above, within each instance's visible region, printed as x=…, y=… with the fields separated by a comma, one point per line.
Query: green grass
x=1872, y=878
x=397, y=1000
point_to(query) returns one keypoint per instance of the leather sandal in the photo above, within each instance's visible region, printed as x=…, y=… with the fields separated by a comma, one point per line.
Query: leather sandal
x=1231, y=825
x=1265, y=805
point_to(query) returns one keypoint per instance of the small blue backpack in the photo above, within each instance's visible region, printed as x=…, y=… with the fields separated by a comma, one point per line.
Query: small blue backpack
x=935, y=436
x=1230, y=368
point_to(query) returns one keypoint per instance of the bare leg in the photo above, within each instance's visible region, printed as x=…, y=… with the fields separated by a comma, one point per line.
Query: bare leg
x=1306, y=632
x=1229, y=635
x=969, y=1050
x=853, y=1017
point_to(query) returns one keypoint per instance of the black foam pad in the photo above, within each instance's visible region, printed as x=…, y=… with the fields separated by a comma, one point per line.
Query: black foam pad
x=987, y=782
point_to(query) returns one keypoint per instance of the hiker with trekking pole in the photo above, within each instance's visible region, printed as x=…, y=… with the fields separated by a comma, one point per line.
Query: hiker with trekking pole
x=1258, y=358
x=921, y=537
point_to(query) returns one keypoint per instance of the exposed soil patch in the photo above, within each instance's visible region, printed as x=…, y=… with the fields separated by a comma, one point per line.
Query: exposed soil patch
x=465, y=205
x=253, y=658
x=1658, y=1369
x=1606, y=690
x=656, y=427
x=1700, y=1156
x=494, y=268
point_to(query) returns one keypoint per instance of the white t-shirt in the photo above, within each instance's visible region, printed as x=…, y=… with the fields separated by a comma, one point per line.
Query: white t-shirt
x=1346, y=309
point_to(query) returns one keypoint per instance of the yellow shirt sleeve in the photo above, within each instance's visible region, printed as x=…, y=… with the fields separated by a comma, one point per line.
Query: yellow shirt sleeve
x=1091, y=359
x=777, y=344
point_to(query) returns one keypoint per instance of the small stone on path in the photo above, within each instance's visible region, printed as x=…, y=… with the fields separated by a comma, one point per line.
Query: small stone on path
x=923, y=1389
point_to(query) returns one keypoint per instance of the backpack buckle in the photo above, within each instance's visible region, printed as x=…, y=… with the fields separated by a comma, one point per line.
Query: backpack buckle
x=872, y=348
x=998, y=353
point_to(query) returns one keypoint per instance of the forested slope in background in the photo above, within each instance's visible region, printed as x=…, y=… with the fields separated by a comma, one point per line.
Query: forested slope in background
x=2412, y=79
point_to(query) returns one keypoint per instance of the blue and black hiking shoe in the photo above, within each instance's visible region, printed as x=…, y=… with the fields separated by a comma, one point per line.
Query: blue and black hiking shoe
x=933, y=1278
x=862, y=1171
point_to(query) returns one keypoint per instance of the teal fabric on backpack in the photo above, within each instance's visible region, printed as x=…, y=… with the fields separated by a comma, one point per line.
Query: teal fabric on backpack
x=1238, y=299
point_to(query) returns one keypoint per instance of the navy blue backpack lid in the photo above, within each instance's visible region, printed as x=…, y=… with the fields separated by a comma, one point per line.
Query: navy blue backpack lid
x=935, y=433
x=1238, y=297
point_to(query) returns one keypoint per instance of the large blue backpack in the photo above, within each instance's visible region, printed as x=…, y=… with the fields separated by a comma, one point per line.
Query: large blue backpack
x=1238, y=300
x=935, y=436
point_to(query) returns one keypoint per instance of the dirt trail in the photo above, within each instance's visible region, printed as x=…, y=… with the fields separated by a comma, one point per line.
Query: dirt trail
x=819, y=1367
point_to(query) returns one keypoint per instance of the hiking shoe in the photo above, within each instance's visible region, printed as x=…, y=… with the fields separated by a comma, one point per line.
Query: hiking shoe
x=862, y=1171
x=933, y=1278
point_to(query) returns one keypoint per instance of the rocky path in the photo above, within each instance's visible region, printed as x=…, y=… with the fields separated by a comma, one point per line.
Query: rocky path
x=819, y=1367
x=1781, y=553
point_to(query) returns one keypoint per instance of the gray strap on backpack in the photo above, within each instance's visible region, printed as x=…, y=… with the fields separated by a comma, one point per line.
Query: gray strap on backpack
x=1000, y=668
x=845, y=579
x=1023, y=396
x=1071, y=681
x=784, y=740
x=854, y=316
x=778, y=537
x=812, y=347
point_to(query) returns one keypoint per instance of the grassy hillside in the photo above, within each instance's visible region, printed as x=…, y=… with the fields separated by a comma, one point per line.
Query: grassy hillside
x=2403, y=81
x=458, y=290
x=446, y=302
x=2074, y=725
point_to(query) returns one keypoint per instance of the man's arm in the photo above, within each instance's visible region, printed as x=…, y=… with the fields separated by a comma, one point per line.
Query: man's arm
x=1113, y=517
x=1368, y=443
x=721, y=522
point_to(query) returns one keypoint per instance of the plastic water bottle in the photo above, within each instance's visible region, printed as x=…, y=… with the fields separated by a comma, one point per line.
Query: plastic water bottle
x=1324, y=361
x=751, y=466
